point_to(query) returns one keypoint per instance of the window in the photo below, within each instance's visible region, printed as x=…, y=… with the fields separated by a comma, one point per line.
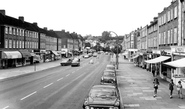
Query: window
x=10, y=43
x=13, y=31
x=6, y=43
x=13, y=43
x=168, y=37
x=28, y=44
x=10, y=30
x=6, y=30
x=175, y=35
x=168, y=15
x=20, y=44
x=171, y=38
x=17, y=31
x=162, y=38
x=164, y=18
x=172, y=14
x=22, y=32
x=17, y=44
x=165, y=37
x=159, y=38
x=175, y=12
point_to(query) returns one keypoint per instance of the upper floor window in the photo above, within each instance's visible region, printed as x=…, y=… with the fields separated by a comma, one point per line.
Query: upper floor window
x=6, y=43
x=10, y=43
x=10, y=30
x=13, y=43
x=172, y=14
x=164, y=18
x=175, y=12
x=168, y=37
x=171, y=38
x=169, y=16
x=175, y=35
x=22, y=44
x=17, y=31
x=6, y=30
x=17, y=44
x=164, y=37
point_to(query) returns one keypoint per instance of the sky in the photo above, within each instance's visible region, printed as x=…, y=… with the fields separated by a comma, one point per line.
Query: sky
x=86, y=17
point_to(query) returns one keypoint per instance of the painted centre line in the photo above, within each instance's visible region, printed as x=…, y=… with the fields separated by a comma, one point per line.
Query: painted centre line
x=67, y=75
x=48, y=85
x=28, y=95
x=6, y=107
x=59, y=79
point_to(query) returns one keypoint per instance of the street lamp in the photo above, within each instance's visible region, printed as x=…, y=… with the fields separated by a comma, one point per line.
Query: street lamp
x=116, y=49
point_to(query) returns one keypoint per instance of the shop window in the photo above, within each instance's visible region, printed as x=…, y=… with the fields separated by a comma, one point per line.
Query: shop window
x=171, y=38
x=13, y=31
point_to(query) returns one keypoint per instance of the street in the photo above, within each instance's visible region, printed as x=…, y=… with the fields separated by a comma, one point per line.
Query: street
x=63, y=87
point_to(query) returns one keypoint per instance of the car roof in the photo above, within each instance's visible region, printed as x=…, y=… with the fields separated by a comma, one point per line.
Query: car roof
x=103, y=86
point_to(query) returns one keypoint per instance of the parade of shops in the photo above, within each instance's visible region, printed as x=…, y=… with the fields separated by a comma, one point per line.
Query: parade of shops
x=23, y=43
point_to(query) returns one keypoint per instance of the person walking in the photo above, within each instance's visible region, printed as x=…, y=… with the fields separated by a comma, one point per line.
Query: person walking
x=179, y=89
x=153, y=70
x=171, y=84
x=156, y=83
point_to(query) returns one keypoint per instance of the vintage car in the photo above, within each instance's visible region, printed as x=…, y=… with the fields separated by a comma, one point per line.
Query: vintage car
x=66, y=62
x=110, y=67
x=86, y=56
x=75, y=62
x=102, y=97
x=108, y=78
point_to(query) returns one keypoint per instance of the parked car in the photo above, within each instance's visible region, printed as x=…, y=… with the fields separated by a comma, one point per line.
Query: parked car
x=108, y=78
x=102, y=97
x=65, y=62
x=110, y=67
x=95, y=54
x=75, y=62
x=86, y=56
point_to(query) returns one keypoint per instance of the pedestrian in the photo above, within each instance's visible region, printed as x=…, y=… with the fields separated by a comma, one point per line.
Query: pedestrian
x=179, y=89
x=156, y=83
x=153, y=70
x=171, y=84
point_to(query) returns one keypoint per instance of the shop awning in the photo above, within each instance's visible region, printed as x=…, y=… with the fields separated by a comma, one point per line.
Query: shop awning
x=11, y=55
x=177, y=63
x=55, y=53
x=25, y=53
x=158, y=59
x=135, y=56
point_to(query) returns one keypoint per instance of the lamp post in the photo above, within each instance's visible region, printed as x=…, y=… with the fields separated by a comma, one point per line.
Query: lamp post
x=116, y=49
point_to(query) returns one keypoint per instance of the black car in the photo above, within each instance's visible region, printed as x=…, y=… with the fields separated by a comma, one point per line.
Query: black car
x=102, y=97
x=65, y=62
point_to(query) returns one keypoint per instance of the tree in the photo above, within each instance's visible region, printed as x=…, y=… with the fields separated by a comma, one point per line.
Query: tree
x=117, y=48
x=105, y=36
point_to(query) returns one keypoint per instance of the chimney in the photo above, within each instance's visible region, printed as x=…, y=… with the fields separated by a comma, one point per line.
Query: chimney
x=35, y=23
x=45, y=28
x=21, y=18
x=3, y=12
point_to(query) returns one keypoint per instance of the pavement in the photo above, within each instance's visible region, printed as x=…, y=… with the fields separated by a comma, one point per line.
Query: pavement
x=136, y=89
x=24, y=70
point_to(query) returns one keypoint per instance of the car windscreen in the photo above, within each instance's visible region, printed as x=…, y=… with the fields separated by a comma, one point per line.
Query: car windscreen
x=109, y=74
x=103, y=93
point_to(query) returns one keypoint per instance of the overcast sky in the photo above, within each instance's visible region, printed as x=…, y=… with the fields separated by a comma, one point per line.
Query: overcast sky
x=86, y=16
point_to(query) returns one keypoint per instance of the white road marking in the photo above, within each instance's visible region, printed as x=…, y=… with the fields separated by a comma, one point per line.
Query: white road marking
x=48, y=85
x=59, y=79
x=67, y=75
x=28, y=95
x=6, y=107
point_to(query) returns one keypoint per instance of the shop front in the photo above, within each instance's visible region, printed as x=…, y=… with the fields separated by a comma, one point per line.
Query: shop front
x=157, y=62
x=177, y=65
x=10, y=59
x=26, y=56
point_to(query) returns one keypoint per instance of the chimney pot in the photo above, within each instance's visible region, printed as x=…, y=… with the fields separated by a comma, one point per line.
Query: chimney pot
x=21, y=18
x=45, y=28
x=3, y=12
x=35, y=23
